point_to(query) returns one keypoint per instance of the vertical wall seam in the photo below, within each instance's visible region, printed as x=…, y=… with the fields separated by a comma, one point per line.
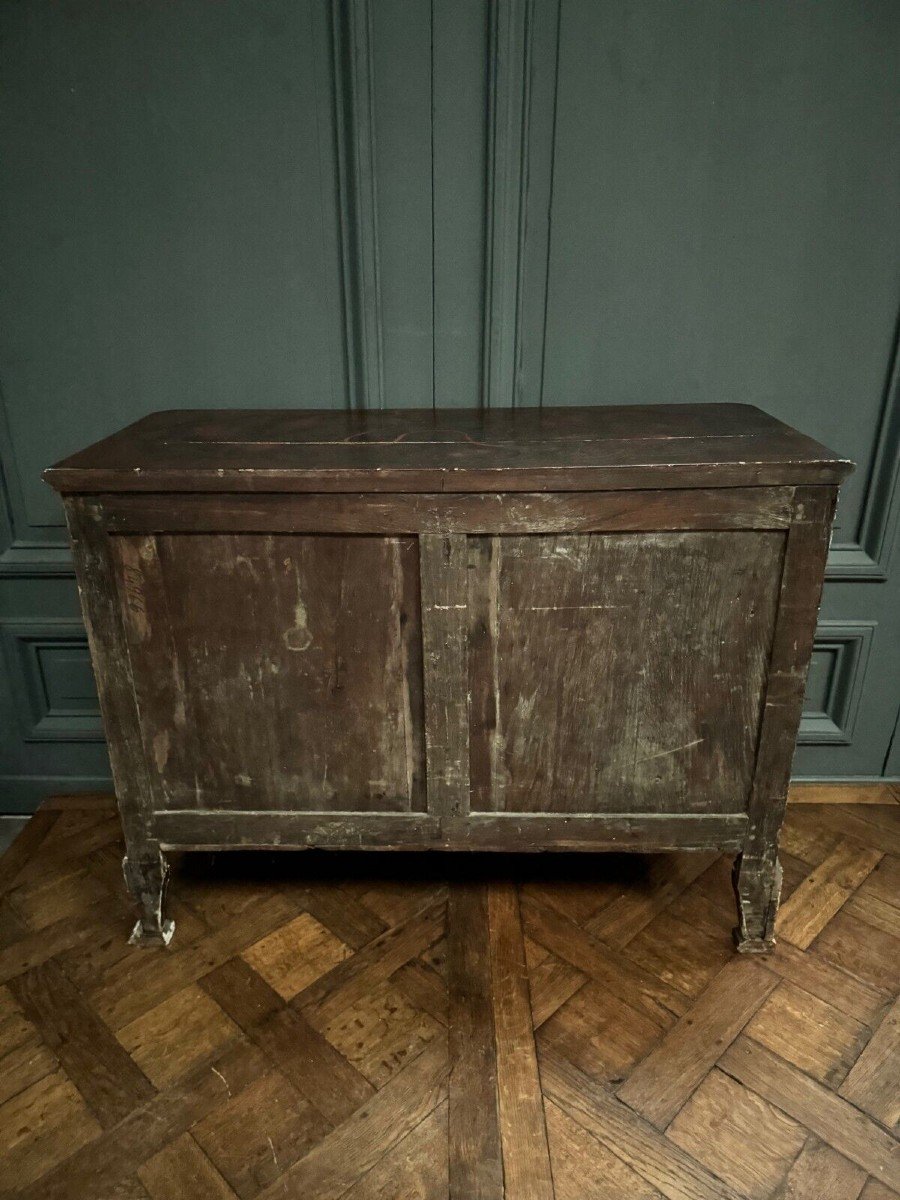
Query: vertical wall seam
x=358, y=200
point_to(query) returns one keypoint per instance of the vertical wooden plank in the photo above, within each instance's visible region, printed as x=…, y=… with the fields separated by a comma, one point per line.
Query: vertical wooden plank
x=109, y=655
x=758, y=875
x=405, y=585
x=146, y=869
x=161, y=696
x=442, y=563
x=498, y=1134
x=523, y=1130
x=475, y=1155
x=795, y=626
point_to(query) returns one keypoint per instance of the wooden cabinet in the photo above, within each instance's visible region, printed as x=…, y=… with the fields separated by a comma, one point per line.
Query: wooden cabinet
x=579, y=628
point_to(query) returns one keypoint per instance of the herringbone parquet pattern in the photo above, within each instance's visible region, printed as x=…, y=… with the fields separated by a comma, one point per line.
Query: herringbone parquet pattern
x=414, y=1028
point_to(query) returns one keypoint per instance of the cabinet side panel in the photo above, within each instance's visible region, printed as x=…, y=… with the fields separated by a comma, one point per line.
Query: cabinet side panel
x=801, y=592
x=277, y=672
x=101, y=607
x=620, y=672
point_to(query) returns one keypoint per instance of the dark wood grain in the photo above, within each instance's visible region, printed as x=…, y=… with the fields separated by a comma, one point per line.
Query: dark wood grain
x=522, y=832
x=523, y=1130
x=315, y=657
x=103, y=618
x=475, y=1150
x=669, y=445
x=491, y=512
x=626, y=671
x=104, y=615
x=656, y=1160
x=444, y=605
x=757, y=878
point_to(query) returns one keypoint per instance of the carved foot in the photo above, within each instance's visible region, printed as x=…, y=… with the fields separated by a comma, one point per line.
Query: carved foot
x=146, y=876
x=757, y=888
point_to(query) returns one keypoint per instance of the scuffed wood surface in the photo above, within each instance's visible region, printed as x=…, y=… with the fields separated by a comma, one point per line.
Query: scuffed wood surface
x=758, y=875
x=444, y=606
x=236, y=829
x=275, y=671
x=619, y=672
x=104, y=619
x=490, y=512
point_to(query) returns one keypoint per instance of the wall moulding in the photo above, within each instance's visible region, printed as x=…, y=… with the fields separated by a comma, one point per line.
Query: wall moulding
x=868, y=557
x=48, y=665
x=839, y=663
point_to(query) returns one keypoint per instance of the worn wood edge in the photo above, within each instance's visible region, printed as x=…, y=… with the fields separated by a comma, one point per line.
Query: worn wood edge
x=651, y=832
x=442, y=514
x=101, y=612
x=72, y=481
x=240, y=830
x=757, y=873
x=800, y=594
x=444, y=603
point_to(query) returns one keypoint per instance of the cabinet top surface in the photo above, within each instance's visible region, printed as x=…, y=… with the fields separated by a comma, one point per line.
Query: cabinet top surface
x=452, y=450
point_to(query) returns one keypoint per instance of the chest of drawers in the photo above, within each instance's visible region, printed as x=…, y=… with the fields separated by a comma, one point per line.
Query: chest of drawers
x=570, y=628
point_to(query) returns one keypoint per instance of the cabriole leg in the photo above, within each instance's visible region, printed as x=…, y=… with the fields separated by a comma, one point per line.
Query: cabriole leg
x=757, y=888
x=146, y=876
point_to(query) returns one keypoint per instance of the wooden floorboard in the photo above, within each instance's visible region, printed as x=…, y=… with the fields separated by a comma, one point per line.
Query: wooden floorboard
x=353, y=1027
x=475, y=1153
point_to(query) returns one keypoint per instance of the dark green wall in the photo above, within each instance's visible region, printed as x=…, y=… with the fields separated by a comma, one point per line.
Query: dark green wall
x=398, y=202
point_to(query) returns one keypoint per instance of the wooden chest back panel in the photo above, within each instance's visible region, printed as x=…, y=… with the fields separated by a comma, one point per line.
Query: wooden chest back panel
x=276, y=671
x=606, y=672
x=505, y=630
x=619, y=672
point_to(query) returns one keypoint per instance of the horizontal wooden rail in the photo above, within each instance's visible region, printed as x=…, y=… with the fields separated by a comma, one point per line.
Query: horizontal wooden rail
x=540, y=512
x=211, y=829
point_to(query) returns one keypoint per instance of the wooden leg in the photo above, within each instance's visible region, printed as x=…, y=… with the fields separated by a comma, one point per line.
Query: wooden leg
x=757, y=888
x=146, y=876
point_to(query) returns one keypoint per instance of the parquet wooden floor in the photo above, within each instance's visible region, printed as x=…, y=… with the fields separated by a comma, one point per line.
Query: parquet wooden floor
x=396, y=1027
